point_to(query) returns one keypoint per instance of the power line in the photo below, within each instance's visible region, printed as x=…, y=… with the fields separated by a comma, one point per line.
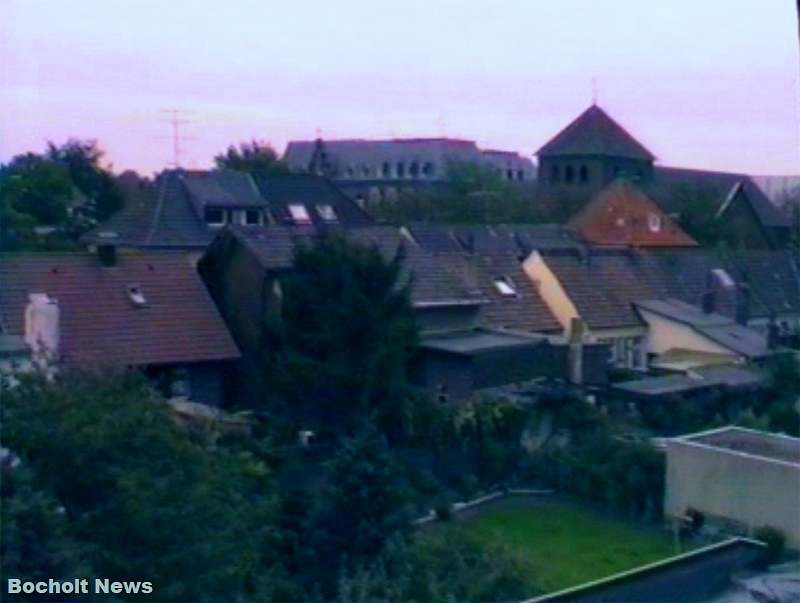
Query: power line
x=176, y=120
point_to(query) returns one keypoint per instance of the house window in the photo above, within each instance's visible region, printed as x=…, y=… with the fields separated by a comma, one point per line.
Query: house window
x=413, y=170
x=327, y=213
x=555, y=174
x=427, y=169
x=252, y=217
x=505, y=287
x=520, y=175
x=386, y=169
x=401, y=170
x=350, y=172
x=510, y=174
x=569, y=174
x=365, y=171
x=299, y=214
x=215, y=217
x=583, y=174
x=654, y=222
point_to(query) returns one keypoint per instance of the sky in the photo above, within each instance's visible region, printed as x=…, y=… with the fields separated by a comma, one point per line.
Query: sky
x=713, y=84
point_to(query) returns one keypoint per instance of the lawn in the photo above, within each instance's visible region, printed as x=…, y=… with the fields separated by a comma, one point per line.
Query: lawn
x=566, y=544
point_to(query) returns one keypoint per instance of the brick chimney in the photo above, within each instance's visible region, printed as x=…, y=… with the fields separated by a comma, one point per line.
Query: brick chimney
x=575, y=359
x=42, y=328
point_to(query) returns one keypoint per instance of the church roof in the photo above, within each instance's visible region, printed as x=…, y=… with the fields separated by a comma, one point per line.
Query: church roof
x=594, y=132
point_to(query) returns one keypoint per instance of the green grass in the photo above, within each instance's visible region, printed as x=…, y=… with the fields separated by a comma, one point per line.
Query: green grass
x=565, y=545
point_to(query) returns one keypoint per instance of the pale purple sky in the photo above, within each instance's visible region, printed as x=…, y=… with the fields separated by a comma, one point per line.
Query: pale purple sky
x=711, y=83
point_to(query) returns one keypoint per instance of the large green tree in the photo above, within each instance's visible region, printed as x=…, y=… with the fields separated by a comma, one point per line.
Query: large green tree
x=253, y=156
x=150, y=499
x=340, y=347
x=83, y=159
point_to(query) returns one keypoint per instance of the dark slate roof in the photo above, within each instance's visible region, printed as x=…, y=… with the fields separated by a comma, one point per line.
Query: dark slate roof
x=471, y=343
x=100, y=324
x=221, y=188
x=311, y=191
x=594, y=132
x=543, y=236
x=716, y=327
x=525, y=311
x=702, y=378
x=772, y=277
x=745, y=191
x=437, y=238
x=170, y=213
x=162, y=216
x=604, y=283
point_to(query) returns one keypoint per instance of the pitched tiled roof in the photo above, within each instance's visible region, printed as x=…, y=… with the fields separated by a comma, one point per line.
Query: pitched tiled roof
x=773, y=278
x=621, y=214
x=745, y=191
x=99, y=322
x=436, y=281
x=170, y=213
x=525, y=311
x=720, y=329
x=312, y=191
x=603, y=284
x=594, y=132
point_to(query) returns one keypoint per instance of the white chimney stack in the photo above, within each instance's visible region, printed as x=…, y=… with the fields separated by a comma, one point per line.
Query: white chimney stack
x=42, y=331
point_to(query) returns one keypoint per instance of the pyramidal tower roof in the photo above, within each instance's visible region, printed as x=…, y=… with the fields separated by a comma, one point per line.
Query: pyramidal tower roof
x=594, y=132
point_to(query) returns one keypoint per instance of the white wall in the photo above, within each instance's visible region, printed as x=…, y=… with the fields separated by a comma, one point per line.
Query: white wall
x=664, y=334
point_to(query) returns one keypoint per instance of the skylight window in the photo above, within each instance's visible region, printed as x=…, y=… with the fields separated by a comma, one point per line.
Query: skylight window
x=136, y=295
x=654, y=222
x=505, y=287
x=327, y=213
x=723, y=277
x=299, y=214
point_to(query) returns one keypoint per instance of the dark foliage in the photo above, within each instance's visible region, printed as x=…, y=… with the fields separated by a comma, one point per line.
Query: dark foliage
x=254, y=157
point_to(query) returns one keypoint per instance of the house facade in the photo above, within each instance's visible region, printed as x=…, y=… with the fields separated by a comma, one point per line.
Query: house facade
x=144, y=310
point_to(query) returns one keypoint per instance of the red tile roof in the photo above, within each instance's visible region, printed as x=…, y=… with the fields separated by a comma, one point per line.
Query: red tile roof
x=621, y=214
x=98, y=321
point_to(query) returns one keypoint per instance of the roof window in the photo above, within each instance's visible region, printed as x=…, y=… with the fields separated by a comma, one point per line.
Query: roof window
x=252, y=217
x=654, y=222
x=327, y=213
x=136, y=295
x=215, y=217
x=505, y=287
x=723, y=277
x=299, y=213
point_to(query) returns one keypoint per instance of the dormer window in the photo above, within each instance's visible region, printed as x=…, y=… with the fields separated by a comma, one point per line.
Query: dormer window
x=136, y=295
x=327, y=213
x=215, y=217
x=654, y=222
x=299, y=214
x=252, y=217
x=505, y=286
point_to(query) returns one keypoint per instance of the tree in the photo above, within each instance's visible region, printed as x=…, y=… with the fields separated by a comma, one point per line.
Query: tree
x=340, y=349
x=82, y=159
x=254, y=157
x=149, y=498
x=470, y=193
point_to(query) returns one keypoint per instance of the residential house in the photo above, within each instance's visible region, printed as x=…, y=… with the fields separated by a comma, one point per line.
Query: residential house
x=740, y=478
x=749, y=220
x=147, y=310
x=597, y=286
x=622, y=214
x=185, y=209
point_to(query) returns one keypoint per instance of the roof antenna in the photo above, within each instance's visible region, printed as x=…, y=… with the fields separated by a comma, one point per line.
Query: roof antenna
x=594, y=91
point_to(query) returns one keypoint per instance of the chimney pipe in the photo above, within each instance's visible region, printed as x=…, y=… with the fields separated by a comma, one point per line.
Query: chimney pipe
x=709, y=302
x=743, y=304
x=107, y=254
x=42, y=329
